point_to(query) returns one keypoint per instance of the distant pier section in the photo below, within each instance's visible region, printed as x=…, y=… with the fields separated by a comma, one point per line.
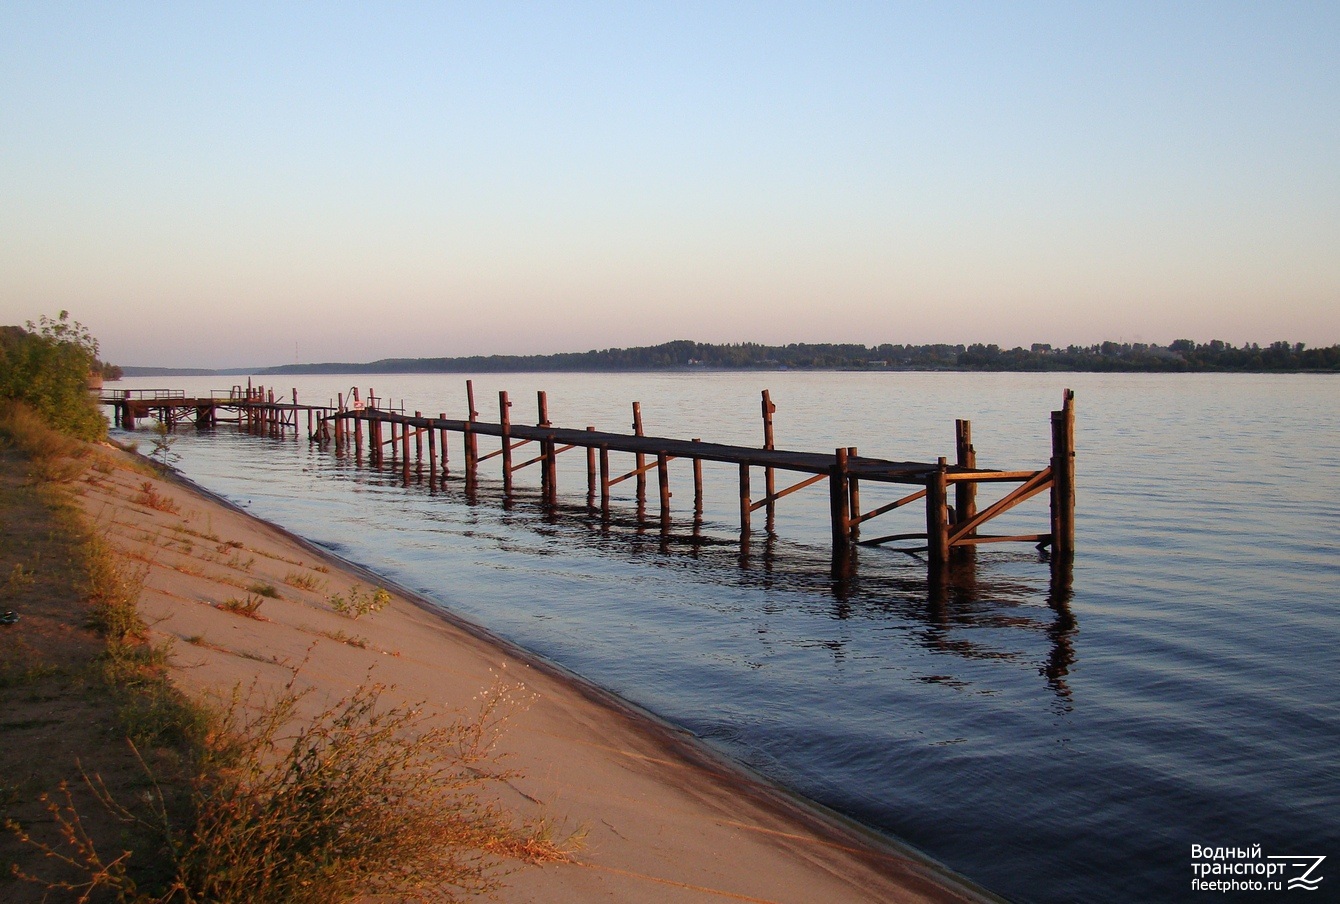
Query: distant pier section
x=418, y=447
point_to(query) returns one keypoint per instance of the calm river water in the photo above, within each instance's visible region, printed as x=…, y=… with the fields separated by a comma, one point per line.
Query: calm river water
x=1054, y=743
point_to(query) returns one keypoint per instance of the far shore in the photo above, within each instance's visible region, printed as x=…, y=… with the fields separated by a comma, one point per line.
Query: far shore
x=664, y=817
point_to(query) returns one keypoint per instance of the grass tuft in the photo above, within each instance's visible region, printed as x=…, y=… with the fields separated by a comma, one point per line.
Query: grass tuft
x=302, y=580
x=249, y=607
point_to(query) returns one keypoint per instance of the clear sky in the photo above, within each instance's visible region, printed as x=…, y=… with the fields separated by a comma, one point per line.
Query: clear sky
x=235, y=184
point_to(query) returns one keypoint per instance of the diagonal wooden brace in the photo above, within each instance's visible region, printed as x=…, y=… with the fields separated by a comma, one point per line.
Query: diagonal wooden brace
x=1040, y=481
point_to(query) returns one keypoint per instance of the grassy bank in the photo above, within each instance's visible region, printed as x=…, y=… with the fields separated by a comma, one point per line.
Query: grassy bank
x=115, y=785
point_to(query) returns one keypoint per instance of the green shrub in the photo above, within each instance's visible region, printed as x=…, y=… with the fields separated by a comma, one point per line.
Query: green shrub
x=47, y=367
x=358, y=602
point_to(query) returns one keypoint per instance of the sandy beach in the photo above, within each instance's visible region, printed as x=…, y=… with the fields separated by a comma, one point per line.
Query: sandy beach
x=664, y=818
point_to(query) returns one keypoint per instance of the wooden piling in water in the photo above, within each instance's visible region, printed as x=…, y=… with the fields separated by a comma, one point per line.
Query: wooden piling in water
x=590, y=473
x=746, y=504
x=339, y=427
x=769, y=477
x=442, y=416
x=604, y=481
x=663, y=484
x=697, y=483
x=641, y=459
x=853, y=501
x=965, y=491
x=471, y=441
x=548, y=471
x=404, y=450
x=505, y=419
x=1063, y=479
x=937, y=516
x=432, y=455
x=839, y=511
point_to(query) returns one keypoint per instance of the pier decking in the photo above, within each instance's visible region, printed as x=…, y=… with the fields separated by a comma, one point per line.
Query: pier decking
x=951, y=527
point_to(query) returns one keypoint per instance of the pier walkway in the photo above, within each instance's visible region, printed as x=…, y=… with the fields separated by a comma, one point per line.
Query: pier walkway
x=399, y=439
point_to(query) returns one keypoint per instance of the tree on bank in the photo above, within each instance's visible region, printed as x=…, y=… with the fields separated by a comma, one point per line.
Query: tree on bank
x=46, y=367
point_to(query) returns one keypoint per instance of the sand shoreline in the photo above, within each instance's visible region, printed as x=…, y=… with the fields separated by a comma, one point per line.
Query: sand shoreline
x=668, y=818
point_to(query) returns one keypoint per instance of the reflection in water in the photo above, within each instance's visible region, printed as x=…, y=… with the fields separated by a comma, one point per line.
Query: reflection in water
x=1063, y=629
x=944, y=606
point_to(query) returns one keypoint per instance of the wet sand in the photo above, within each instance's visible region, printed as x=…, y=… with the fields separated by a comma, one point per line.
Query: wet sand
x=665, y=818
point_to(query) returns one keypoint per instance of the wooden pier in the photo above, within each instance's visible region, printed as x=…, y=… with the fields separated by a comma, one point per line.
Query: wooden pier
x=254, y=409
x=952, y=528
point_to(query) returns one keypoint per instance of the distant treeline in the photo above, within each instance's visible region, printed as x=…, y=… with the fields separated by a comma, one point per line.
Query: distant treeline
x=1184, y=355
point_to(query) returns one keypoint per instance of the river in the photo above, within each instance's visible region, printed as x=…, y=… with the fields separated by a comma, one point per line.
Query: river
x=1054, y=739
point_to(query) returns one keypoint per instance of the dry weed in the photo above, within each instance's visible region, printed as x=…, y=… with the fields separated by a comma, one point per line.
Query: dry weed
x=149, y=497
x=248, y=607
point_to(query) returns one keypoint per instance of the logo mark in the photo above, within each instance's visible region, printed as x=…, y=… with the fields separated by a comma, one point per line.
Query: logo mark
x=1306, y=862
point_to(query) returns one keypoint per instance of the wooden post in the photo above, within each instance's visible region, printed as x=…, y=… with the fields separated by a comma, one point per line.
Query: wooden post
x=769, y=478
x=550, y=465
x=697, y=484
x=605, y=481
x=375, y=442
x=442, y=416
x=854, y=499
x=937, y=517
x=640, y=458
x=663, y=484
x=418, y=442
x=311, y=433
x=590, y=473
x=1063, y=479
x=432, y=455
x=505, y=419
x=839, y=500
x=547, y=469
x=404, y=449
x=471, y=441
x=339, y=429
x=965, y=491
x=746, y=505
x=358, y=436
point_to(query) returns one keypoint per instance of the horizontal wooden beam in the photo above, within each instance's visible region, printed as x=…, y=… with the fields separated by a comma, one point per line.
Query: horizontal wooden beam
x=1017, y=538
x=988, y=476
x=891, y=537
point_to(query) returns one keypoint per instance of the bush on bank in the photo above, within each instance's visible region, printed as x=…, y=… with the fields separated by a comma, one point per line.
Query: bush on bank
x=46, y=367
